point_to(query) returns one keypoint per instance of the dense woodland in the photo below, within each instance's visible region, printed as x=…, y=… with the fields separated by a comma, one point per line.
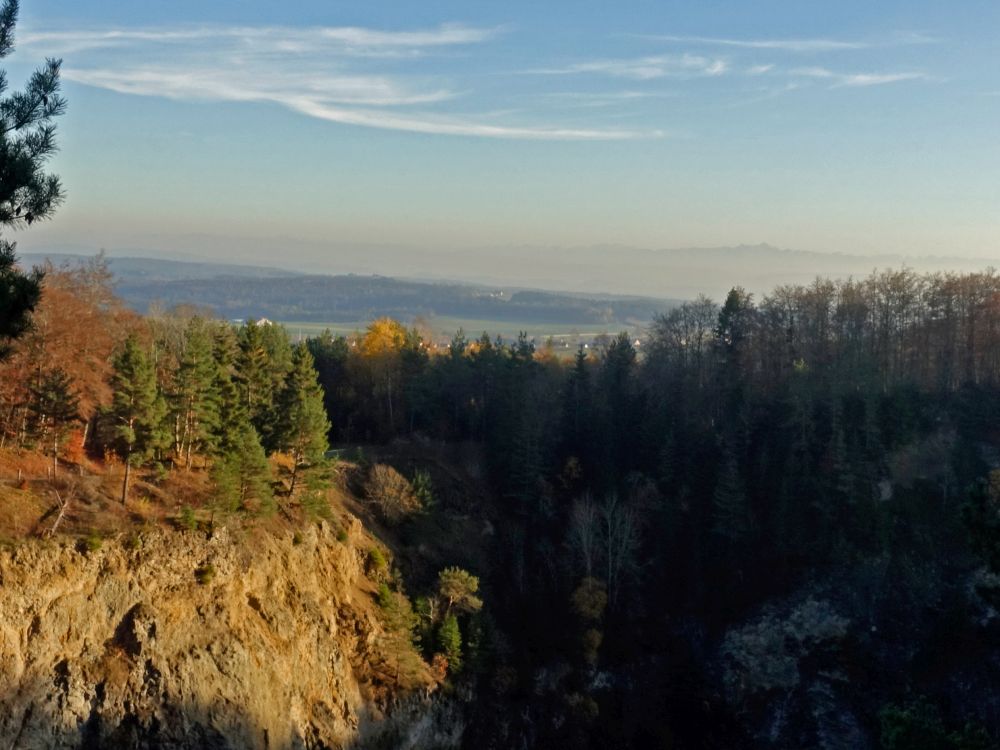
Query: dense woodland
x=778, y=526
x=769, y=529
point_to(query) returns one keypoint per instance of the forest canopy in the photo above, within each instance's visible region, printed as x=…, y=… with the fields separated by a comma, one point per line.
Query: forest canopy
x=779, y=510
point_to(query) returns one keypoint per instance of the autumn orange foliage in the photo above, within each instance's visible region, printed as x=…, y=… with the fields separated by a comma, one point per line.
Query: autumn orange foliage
x=76, y=328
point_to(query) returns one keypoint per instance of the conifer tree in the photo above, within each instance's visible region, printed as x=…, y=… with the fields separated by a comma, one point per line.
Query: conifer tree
x=54, y=408
x=730, y=514
x=400, y=636
x=263, y=364
x=242, y=475
x=457, y=589
x=303, y=426
x=449, y=642
x=233, y=414
x=27, y=194
x=577, y=414
x=195, y=397
x=251, y=369
x=137, y=409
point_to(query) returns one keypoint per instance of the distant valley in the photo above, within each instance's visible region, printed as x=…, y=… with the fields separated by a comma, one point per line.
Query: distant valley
x=343, y=302
x=676, y=273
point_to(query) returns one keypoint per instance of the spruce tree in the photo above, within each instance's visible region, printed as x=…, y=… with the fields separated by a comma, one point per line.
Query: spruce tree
x=195, y=397
x=265, y=359
x=54, y=407
x=730, y=514
x=27, y=193
x=577, y=412
x=137, y=409
x=242, y=475
x=233, y=414
x=303, y=426
x=449, y=642
x=251, y=368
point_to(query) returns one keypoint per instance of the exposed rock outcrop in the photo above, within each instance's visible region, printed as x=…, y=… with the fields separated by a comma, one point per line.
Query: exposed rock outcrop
x=175, y=640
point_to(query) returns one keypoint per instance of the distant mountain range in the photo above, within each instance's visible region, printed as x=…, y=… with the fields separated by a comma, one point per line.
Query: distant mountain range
x=138, y=270
x=240, y=292
x=680, y=273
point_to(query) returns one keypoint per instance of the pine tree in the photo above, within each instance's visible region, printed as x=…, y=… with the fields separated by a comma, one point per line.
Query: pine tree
x=251, y=368
x=137, y=409
x=577, y=412
x=242, y=475
x=27, y=194
x=54, y=407
x=233, y=414
x=19, y=294
x=457, y=589
x=263, y=364
x=449, y=642
x=303, y=426
x=195, y=397
x=400, y=637
x=730, y=514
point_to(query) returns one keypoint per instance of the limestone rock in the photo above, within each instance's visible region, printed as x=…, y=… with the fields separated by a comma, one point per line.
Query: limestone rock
x=182, y=641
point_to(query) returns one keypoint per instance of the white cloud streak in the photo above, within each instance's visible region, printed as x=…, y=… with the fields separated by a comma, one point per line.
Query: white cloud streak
x=342, y=39
x=858, y=79
x=787, y=45
x=645, y=68
x=319, y=72
x=454, y=126
x=237, y=85
x=813, y=45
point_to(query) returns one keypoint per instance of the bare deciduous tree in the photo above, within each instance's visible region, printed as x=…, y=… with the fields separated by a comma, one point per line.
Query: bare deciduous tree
x=584, y=534
x=391, y=493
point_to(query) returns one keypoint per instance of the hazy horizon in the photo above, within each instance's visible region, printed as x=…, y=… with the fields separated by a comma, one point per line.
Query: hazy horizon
x=856, y=129
x=664, y=273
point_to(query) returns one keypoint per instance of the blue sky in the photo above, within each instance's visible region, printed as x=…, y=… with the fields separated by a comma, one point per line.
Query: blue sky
x=832, y=126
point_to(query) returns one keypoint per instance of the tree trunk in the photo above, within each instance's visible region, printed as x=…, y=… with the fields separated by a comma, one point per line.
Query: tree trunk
x=63, y=506
x=128, y=471
x=55, y=453
x=388, y=393
x=295, y=473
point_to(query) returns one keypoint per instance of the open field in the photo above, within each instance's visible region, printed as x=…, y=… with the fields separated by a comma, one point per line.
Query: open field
x=442, y=329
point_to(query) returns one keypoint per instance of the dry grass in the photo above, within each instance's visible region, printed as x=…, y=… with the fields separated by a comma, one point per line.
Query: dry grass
x=181, y=487
x=31, y=465
x=30, y=507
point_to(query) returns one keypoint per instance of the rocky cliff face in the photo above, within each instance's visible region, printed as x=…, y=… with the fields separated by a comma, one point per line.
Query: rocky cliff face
x=175, y=640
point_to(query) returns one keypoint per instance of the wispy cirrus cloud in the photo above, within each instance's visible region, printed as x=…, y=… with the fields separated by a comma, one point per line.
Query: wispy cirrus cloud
x=237, y=85
x=338, y=39
x=644, y=68
x=599, y=99
x=803, y=45
x=459, y=126
x=320, y=72
x=787, y=45
x=859, y=79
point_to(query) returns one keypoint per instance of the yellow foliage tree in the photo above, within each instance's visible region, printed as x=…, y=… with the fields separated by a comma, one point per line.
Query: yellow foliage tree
x=382, y=347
